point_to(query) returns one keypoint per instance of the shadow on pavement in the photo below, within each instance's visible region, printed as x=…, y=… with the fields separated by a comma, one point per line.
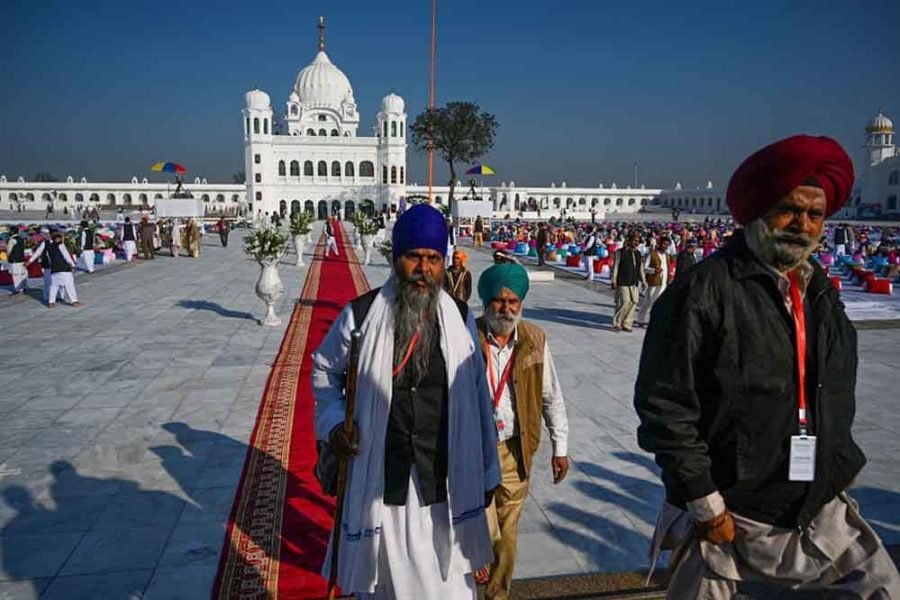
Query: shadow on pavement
x=216, y=308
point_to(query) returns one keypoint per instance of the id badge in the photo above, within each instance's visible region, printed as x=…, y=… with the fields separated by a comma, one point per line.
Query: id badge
x=803, y=458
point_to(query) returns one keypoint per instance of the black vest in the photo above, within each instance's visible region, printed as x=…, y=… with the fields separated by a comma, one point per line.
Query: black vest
x=630, y=263
x=88, y=239
x=128, y=233
x=417, y=434
x=17, y=255
x=58, y=264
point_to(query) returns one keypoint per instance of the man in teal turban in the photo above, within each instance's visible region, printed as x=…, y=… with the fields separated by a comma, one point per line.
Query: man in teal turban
x=524, y=388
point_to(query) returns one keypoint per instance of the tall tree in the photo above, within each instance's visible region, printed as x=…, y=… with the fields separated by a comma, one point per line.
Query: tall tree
x=460, y=132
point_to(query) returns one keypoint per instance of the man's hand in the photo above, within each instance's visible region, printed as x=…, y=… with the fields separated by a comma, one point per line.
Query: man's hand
x=342, y=444
x=612, y=285
x=560, y=466
x=719, y=530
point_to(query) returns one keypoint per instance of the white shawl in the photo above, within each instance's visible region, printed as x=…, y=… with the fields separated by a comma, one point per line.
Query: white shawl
x=472, y=462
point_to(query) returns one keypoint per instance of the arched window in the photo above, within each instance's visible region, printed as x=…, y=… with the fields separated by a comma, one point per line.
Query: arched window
x=393, y=174
x=366, y=169
x=294, y=110
x=142, y=198
x=582, y=202
x=594, y=202
x=205, y=197
x=334, y=133
x=401, y=128
x=94, y=197
x=606, y=202
x=618, y=202
x=311, y=132
x=322, y=169
x=255, y=124
x=891, y=203
x=348, y=169
x=295, y=168
x=643, y=202
x=323, y=133
x=281, y=169
x=235, y=198
x=393, y=128
x=894, y=177
x=384, y=174
x=78, y=197
x=402, y=174
x=439, y=200
x=335, y=169
x=631, y=202
x=385, y=129
x=556, y=203
x=259, y=196
x=248, y=125
x=220, y=197
x=308, y=168
x=266, y=126
x=110, y=198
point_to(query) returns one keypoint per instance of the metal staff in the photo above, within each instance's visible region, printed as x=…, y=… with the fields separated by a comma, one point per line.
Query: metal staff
x=344, y=464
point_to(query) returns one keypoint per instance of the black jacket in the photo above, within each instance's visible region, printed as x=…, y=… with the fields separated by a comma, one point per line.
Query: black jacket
x=717, y=389
x=685, y=261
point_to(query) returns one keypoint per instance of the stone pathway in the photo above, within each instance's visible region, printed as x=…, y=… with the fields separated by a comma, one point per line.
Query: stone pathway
x=125, y=427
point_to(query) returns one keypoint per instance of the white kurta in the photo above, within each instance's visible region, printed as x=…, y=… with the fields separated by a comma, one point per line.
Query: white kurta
x=372, y=533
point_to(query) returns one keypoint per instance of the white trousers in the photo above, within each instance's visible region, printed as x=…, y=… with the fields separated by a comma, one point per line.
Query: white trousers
x=87, y=259
x=19, y=276
x=653, y=294
x=47, y=281
x=64, y=282
x=589, y=266
x=130, y=250
x=331, y=244
x=841, y=249
x=408, y=565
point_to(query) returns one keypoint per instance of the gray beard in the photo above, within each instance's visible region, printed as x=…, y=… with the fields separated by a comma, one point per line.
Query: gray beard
x=777, y=248
x=501, y=324
x=416, y=310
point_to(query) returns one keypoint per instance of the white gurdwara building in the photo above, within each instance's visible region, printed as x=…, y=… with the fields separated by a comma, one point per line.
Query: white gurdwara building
x=320, y=164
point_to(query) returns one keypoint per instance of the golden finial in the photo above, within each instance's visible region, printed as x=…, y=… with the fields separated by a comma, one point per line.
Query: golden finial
x=321, y=27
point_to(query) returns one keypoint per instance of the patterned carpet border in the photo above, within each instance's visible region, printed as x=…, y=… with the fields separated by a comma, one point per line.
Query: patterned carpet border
x=250, y=558
x=249, y=566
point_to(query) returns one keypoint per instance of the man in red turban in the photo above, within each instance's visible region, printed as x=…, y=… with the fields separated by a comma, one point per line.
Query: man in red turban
x=746, y=395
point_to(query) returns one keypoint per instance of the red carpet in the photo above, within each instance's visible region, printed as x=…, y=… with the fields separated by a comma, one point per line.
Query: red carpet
x=280, y=522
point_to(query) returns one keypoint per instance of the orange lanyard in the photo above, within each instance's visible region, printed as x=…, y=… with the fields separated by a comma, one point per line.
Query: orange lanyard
x=800, y=331
x=496, y=390
x=409, y=350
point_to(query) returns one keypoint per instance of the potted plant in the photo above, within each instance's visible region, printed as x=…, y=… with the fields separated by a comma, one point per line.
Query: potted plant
x=300, y=228
x=267, y=246
x=366, y=229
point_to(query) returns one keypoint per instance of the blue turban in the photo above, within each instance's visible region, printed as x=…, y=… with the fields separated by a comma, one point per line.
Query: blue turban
x=420, y=227
x=505, y=275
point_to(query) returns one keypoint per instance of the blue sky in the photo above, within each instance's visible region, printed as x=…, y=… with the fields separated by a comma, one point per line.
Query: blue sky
x=581, y=88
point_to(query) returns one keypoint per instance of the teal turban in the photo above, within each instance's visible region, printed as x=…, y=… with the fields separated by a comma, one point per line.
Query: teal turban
x=507, y=275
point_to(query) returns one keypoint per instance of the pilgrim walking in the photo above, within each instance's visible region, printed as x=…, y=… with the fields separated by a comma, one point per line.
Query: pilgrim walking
x=60, y=265
x=746, y=395
x=424, y=465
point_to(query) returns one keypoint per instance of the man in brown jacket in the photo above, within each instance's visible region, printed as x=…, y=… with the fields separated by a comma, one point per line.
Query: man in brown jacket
x=656, y=268
x=524, y=387
x=147, y=232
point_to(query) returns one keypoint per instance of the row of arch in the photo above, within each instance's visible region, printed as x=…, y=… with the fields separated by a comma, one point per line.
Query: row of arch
x=321, y=209
x=96, y=198
x=693, y=202
x=366, y=169
x=256, y=124
x=397, y=128
x=532, y=203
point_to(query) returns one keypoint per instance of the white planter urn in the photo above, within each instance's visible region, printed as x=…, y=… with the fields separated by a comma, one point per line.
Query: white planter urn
x=367, y=243
x=269, y=289
x=299, y=246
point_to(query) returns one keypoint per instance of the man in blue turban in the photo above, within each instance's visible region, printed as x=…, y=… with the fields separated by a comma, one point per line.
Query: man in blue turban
x=524, y=388
x=426, y=443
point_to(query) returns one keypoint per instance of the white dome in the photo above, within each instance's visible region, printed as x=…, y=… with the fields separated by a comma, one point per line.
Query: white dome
x=294, y=97
x=392, y=103
x=880, y=123
x=322, y=83
x=257, y=99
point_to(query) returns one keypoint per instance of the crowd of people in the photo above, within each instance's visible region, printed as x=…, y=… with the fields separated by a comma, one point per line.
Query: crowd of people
x=744, y=393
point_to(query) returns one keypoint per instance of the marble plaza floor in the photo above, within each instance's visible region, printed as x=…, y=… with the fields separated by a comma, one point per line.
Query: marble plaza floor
x=125, y=424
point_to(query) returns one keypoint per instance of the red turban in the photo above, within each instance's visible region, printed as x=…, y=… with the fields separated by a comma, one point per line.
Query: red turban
x=772, y=172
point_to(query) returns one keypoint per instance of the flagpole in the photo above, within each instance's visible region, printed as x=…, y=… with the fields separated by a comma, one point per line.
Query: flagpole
x=431, y=100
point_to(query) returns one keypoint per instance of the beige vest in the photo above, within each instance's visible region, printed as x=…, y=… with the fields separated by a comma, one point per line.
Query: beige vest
x=528, y=387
